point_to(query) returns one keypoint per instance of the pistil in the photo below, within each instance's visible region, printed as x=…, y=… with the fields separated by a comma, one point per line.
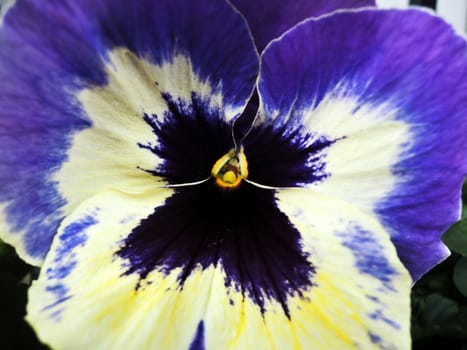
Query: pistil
x=230, y=169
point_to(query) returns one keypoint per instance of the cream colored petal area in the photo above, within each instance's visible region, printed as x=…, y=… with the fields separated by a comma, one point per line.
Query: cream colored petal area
x=370, y=142
x=359, y=297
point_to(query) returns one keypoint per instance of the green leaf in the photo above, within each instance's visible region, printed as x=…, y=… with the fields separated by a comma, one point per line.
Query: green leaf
x=438, y=317
x=460, y=276
x=439, y=310
x=456, y=237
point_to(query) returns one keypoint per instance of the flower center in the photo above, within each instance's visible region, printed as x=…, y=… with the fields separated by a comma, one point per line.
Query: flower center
x=230, y=169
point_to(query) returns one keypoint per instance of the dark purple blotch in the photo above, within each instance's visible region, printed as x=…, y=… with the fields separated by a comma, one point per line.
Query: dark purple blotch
x=242, y=230
x=193, y=135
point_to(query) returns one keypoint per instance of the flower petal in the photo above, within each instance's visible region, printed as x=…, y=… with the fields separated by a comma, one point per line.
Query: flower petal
x=86, y=293
x=388, y=91
x=86, y=82
x=269, y=19
x=361, y=292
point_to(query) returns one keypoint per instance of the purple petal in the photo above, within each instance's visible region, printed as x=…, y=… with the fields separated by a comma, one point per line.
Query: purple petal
x=399, y=79
x=269, y=19
x=52, y=50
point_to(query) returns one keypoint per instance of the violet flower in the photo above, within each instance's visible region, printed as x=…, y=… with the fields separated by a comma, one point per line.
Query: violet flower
x=166, y=214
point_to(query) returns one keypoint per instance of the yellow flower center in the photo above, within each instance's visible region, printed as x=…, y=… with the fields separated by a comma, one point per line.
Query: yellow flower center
x=230, y=169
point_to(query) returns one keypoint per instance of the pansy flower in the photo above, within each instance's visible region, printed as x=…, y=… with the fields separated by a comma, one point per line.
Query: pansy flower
x=214, y=175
